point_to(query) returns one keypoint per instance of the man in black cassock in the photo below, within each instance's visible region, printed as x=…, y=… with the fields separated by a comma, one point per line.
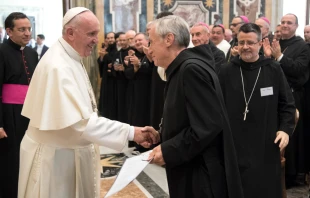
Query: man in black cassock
x=261, y=111
x=139, y=72
x=121, y=93
x=197, y=146
x=107, y=100
x=292, y=52
x=139, y=75
x=201, y=36
x=17, y=64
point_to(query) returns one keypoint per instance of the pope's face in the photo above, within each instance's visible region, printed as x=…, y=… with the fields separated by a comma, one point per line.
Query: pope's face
x=87, y=34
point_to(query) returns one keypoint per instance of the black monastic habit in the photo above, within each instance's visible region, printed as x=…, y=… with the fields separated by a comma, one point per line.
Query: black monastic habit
x=16, y=67
x=157, y=98
x=296, y=69
x=139, y=96
x=218, y=55
x=121, y=87
x=197, y=143
x=258, y=155
x=107, y=99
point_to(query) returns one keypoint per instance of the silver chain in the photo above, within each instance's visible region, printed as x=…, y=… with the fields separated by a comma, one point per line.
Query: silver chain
x=247, y=102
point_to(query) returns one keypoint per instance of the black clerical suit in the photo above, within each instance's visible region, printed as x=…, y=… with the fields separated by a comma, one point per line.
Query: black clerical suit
x=197, y=143
x=271, y=109
x=16, y=68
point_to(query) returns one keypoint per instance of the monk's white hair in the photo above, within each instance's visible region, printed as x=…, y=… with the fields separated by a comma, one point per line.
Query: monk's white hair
x=175, y=25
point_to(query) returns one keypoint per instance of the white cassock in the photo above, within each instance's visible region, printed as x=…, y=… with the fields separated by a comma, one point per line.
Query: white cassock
x=58, y=154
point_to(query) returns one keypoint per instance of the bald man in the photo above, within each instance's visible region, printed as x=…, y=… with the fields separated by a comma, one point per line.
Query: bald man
x=228, y=35
x=264, y=25
x=130, y=35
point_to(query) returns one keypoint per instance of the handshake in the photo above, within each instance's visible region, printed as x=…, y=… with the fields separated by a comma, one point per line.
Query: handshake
x=146, y=136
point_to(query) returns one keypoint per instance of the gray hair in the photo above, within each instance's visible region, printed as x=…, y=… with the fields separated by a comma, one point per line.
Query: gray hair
x=73, y=22
x=175, y=25
x=146, y=37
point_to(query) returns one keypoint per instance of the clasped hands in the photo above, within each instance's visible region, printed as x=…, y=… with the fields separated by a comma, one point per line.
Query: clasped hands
x=146, y=137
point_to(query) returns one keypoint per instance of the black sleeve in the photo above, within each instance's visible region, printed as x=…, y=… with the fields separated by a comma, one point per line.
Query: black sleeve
x=286, y=105
x=204, y=113
x=296, y=67
x=219, y=59
x=129, y=71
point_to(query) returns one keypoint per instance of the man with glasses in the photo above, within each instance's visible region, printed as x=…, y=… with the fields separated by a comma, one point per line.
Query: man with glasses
x=234, y=26
x=261, y=111
x=17, y=64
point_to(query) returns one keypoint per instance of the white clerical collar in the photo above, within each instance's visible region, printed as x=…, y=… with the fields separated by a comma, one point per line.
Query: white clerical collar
x=69, y=49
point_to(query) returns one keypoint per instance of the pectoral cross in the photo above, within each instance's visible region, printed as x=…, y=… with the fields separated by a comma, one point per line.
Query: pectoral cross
x=245, y=112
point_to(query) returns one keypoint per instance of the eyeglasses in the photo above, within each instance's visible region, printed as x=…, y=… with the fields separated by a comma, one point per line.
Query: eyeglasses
x=235, y=24
x=24, y=29
x=248, y=43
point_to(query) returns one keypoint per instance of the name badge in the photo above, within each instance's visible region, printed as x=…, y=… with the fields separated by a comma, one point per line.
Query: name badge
x=268, y=91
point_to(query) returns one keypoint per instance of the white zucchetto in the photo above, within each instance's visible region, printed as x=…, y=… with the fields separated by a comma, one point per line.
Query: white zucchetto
x=71, y=14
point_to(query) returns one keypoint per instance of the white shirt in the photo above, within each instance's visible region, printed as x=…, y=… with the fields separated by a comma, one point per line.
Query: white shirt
x=224, y=46
x=39, y=50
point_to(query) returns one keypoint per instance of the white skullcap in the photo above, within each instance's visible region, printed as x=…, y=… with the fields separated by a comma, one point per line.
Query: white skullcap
x=72, y=13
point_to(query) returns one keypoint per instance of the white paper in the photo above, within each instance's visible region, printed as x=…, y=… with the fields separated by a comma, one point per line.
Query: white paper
x=268, y=91
x=130, y=170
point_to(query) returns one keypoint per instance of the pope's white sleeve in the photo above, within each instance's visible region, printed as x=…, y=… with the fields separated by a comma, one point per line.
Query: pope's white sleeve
x=105, y=132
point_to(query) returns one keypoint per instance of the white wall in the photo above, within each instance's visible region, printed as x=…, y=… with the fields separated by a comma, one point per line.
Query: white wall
x=48, y=15
x=297, y=7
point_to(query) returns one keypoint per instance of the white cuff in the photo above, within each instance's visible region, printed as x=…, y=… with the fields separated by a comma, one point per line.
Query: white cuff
x=105, y=132
x=279, y=59
x=131, y=133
